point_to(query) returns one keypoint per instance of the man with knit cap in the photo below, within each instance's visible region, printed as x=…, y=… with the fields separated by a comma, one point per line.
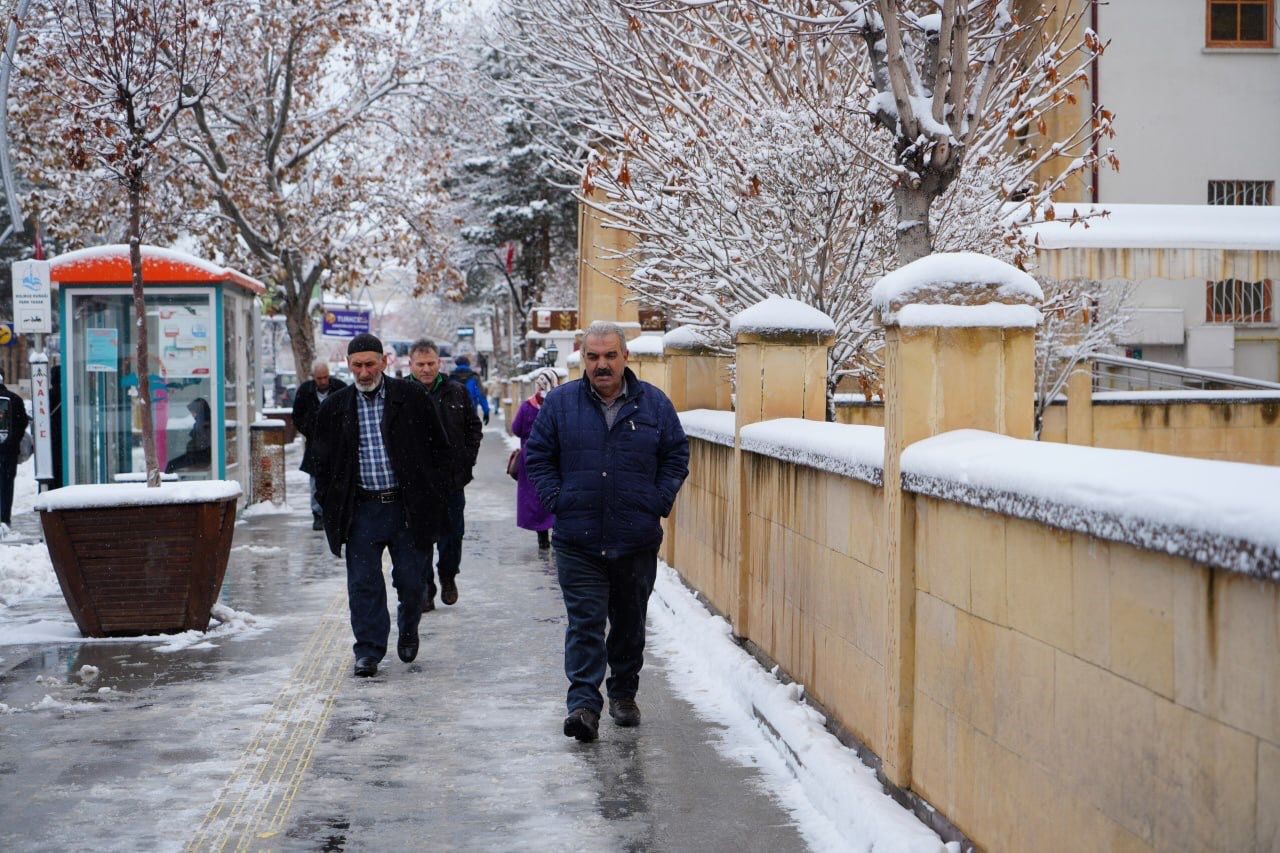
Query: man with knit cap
x=378, y=491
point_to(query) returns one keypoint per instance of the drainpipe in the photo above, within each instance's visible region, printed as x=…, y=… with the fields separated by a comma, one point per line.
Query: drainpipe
x=1095, y=99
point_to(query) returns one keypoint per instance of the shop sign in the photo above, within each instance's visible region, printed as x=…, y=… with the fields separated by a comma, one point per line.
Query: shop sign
x=345, y=322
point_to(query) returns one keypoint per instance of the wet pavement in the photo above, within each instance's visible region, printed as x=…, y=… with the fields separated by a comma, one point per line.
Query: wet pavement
x=260, y=738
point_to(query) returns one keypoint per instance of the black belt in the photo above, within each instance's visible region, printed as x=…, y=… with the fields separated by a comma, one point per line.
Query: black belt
x=386, y=496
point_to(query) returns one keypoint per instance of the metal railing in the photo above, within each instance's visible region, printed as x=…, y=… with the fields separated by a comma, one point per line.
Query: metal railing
x=1117, y=373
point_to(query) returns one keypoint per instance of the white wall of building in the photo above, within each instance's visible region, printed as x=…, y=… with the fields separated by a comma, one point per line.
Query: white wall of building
x=1185, y=114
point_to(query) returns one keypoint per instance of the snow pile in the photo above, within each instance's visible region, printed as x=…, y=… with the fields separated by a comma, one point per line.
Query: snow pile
x=1225, y=514
x=687, y=337
x=709, y=425
x=645, y=345
x=574, y=359
x=265, y=508
x=778, y=314
x=25, y=572
x=836, y=800
x=267, y=423
x=1160, y=226
x=1182, y=396
x=134, y=494
x=849, y=450
x=962, y=282
x=225, y=624
x=120, y=252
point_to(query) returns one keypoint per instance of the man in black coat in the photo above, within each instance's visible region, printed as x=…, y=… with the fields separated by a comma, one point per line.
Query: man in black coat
x=381, y=454
x=306, y=404
x=465, y=432
x=13, y=424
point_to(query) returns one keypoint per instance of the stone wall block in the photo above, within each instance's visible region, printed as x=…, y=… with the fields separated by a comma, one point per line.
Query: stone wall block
x=1040, y=581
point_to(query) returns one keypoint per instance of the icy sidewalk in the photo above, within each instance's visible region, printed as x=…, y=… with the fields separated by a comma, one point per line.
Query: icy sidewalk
x=261, y=739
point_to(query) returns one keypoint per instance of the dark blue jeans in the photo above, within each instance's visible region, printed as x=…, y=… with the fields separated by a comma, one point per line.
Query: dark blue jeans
x=597, y=589
x=449, y=563
x=8, y=471
x=375, y=527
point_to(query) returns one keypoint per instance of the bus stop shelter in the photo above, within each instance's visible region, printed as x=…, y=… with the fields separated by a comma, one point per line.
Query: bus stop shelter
x=202, y=327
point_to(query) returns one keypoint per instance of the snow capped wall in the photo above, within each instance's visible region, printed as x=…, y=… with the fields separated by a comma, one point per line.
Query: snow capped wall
x=1161, y=226
x=1223, y=514
x=850, y=451
x=777, y=314
x=958, y=289
x=687, y=338
x=709, y=425
x=645, y=345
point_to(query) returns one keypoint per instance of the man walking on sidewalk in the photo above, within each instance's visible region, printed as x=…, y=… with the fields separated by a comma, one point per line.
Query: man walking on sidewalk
x=465, y=432
x=380, y=448
x=306, y=404
x=607, y=456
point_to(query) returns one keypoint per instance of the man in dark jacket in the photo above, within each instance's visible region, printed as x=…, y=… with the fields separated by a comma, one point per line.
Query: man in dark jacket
x=306, y=404
x=465, y=432
x=380, y=448
x=466, y=377
x=607, y=456
x=13, y=425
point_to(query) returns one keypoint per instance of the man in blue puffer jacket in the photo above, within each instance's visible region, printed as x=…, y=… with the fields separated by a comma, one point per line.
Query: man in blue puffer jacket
x=607, y=456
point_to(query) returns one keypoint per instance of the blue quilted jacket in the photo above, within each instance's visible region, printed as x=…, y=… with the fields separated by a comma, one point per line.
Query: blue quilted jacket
x=607, y=487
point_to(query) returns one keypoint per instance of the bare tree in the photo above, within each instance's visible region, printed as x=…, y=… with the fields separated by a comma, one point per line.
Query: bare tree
x=123, y=71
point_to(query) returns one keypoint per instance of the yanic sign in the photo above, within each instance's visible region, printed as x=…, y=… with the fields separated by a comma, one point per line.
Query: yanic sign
x=32, y=305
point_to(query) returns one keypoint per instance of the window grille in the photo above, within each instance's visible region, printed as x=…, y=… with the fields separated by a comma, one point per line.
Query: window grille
x=1242, y=192
x=1239, y=23
x=1236, y=301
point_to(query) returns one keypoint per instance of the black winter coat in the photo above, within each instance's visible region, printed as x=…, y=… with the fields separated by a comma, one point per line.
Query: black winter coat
x=306, y=404
x=463, y=426
x=607, y=487
x=18, y=420
x=419, y=451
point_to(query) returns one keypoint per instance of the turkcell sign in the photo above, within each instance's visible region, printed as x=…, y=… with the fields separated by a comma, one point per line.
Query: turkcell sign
x=32, y=304
x=344, y=322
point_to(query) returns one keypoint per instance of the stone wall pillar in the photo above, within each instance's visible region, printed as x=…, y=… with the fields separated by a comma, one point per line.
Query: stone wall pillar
x=959, y=354
x=781, y=350
x=266, y=448
x=601, y=274
x=1080, y=404
x=647, y=360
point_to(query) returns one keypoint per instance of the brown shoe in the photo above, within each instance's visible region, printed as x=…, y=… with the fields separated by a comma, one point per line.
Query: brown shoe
x=449, y=590
x=582, y=724
x=625, y=712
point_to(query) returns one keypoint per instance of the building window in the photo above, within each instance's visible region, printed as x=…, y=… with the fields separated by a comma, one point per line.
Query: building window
x=1239, y=23
x=1236, y=301
x=1242, y=192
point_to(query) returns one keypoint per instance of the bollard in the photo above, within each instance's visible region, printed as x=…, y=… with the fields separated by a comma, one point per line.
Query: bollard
x=266, y=447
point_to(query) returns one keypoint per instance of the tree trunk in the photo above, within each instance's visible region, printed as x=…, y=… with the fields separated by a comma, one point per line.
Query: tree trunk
x=914, y=239
x=142, y=352
x=302, y=338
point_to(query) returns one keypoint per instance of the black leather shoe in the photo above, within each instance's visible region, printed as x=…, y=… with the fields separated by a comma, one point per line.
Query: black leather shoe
x=366, y=667
x=625, y=712
x=317, y=521
x=449, y=590
x=583, y=724
x=407, y=647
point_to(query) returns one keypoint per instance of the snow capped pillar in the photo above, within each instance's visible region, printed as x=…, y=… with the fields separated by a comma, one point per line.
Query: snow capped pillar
x=781, y=352
x=780, y=348
x=959, y=354
x=647, y=360
x=1080, y=404
x=697, y=375
x=602, y=271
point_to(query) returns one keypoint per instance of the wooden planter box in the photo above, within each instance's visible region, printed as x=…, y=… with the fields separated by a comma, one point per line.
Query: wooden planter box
x=154, y=568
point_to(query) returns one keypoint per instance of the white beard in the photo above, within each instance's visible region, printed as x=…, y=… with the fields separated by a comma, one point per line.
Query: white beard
x=366, y=387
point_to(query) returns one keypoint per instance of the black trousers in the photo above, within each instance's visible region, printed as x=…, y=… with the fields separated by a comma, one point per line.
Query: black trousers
x=8, y=471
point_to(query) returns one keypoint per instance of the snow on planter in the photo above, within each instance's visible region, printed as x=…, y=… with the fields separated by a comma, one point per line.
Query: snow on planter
x=709, y=425
x=854, y=451
x=1224, y=514
x=136, y=494
x=645, y=345
x=958, y=289
x=777, y=314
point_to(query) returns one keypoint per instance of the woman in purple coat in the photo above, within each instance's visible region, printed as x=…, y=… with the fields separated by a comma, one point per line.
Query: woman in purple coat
x=529, y=512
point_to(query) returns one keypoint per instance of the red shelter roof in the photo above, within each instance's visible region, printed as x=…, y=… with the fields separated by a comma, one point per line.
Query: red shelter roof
x=110, y=265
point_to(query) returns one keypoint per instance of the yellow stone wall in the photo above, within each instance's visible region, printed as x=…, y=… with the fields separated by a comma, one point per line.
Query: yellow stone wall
x=1076, y=694
x=705, y=532
x=649, y=368
x=816, y=578
x=1245, y=431
x=872, y=415
x=601, y=294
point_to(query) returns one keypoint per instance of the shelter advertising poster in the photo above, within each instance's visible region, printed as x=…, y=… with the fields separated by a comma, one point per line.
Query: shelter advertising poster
x=103, y=350
x=186, y=334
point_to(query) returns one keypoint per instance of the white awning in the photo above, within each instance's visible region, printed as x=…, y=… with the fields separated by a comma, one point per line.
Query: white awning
x=1170, y=241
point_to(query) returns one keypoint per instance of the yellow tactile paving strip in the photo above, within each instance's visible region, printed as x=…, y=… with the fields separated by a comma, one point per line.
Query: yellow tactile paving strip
x=253, y=804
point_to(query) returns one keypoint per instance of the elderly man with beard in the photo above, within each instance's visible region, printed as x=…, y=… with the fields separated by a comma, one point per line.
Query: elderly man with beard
x=607, y=456
x=382, y=458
